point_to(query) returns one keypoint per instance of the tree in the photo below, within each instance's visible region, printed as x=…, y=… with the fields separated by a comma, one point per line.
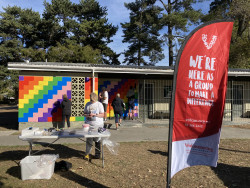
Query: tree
x=179, y=15
x=142, y=33
x=84, y=23
x=33, y=54
x=18, y=30
x=78, y=29
x=8, y=83
x=94, y=29
x=239, y=11
x=240, y=48
x=74, y=53
x=19, y=40
x=57, y=22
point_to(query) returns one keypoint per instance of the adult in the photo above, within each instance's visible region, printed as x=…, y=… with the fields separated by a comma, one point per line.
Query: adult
x=118, y=106
x=104, y=96
x=94, y=113
x=131, y=102
x=66, y=110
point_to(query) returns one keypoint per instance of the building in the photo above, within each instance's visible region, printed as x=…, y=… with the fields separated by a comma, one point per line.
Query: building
x=42, y=84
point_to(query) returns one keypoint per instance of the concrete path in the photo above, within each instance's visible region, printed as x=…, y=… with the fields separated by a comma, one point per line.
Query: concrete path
x=129, y=134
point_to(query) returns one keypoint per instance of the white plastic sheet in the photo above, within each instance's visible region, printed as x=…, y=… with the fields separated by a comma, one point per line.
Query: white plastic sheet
x=112, y=146
x=46, y=160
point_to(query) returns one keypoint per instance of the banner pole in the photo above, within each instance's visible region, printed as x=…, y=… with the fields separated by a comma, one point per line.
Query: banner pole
x=169, y=153
x=171, y=120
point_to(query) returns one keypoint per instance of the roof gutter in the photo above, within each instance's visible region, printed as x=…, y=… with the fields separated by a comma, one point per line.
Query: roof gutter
x=123, y=70
x=21, y=66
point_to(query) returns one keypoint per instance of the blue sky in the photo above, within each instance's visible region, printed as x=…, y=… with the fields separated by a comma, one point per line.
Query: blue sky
x=117, y=14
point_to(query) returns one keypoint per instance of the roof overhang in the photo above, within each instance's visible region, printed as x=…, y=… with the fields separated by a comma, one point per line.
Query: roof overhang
x=87, y=68
x=239, y=72
x=110, y=69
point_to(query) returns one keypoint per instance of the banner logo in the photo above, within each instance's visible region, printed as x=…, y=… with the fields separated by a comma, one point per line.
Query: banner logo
x=212, y=42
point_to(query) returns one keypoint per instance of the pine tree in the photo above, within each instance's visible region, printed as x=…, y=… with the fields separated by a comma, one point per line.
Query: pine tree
x=142, y=33
x=18, y=30
x=57, y=22
x=84, y=24
x=239, y=11
x=179, y=15
x=94, y=30
x=19, y=39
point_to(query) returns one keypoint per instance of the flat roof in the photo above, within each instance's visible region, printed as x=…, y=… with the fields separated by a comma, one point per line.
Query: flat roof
x=103, y=68
x=83, y=67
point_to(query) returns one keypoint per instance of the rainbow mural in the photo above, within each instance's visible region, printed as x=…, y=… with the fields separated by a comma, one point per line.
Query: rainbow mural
x=119, y=86
x=89, y=88
x=40, y=97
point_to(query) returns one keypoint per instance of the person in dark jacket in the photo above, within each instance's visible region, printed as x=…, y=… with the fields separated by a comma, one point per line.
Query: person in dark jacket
x=118, y=106
x=66, y=110
x=131, y=102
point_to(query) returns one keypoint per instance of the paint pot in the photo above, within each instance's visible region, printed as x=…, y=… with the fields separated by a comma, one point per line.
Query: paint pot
x=85, y=127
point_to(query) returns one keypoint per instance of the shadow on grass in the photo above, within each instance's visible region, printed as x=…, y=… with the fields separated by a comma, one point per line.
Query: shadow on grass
x=234, y=150
x=159, y=152
x=13, y=155
x=80, y=180
x=9, y=120
x=233, y=176
x=14, y=171
x=1, y=183
x=63, y=151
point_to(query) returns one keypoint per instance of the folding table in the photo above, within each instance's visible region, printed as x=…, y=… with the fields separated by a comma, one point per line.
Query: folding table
x=80, y=134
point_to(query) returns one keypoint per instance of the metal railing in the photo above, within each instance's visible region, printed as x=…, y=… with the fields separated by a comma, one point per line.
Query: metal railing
x=155, y=96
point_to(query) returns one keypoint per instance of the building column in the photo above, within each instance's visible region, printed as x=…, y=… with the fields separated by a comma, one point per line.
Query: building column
x=93, y=80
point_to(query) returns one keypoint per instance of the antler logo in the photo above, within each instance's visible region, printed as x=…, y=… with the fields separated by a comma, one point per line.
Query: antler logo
x=212, y=42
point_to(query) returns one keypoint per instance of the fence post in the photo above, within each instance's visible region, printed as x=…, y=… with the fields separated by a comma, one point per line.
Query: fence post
x=143, y=100
x=232, y=98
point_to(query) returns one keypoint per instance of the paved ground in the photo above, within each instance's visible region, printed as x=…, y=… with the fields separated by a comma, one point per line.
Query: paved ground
x=131, y=131
x=130, y=134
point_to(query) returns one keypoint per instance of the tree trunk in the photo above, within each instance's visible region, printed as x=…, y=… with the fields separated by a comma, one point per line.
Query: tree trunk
x=242, y=26
x=139, y=54
x=170, y=46
x=170, y=37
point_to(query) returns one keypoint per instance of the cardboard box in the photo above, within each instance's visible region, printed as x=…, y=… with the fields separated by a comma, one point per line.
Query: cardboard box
x=32, y=167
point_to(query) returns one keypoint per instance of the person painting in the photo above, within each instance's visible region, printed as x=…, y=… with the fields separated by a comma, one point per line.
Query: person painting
x=131, y=102
x=118, y=106
x=66, y=110
x=94, y=114
x=104, y=96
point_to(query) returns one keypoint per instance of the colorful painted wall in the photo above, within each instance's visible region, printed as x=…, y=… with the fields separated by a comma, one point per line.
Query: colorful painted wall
x=40, y=97
x=121, y=86
x=88, y=88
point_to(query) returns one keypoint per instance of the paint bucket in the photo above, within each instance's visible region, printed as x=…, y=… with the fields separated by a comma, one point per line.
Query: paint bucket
x=85, y=127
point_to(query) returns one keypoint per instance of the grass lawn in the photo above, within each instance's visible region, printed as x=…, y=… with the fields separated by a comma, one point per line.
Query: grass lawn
x=140, y=164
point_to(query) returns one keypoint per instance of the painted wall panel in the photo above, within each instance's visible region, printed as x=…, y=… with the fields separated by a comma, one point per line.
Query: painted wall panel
x=40, y=97
x=121, y=86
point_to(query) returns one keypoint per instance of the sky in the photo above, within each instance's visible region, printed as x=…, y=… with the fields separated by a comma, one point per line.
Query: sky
x=117, y=13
